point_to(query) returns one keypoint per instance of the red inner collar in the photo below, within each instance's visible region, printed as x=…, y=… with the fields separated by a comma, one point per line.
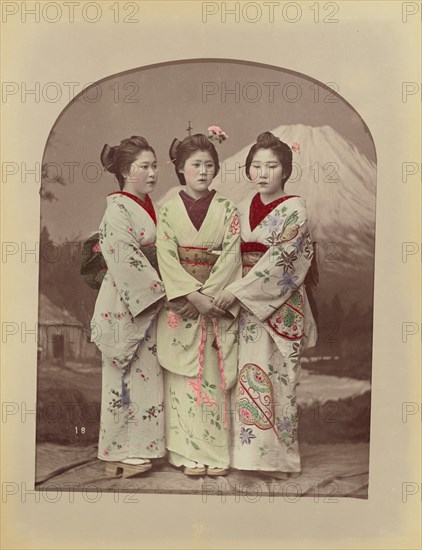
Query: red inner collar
x=146, y=204
x=258, y=210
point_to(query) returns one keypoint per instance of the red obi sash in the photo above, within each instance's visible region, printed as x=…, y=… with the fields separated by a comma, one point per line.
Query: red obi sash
x=253, y=247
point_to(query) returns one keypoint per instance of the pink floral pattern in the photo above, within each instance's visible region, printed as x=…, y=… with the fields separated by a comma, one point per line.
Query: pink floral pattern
x=156, y=286
x=173, y=320
x=205, y=398
x=96, y=247
x=235, y=226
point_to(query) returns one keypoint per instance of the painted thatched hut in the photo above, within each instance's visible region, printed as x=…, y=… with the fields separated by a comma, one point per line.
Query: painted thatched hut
x=62, y=337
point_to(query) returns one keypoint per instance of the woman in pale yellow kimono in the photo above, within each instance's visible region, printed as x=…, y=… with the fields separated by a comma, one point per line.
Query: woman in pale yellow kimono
x=198, y=249
x=276, y=322
x=124, y=321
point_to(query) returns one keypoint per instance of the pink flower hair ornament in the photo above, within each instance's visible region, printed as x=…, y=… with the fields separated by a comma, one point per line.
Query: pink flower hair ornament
x=295, y=147
x=215, y=133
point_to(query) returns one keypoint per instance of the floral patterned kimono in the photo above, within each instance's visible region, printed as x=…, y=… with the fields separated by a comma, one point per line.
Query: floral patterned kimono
x=198, y=248
x=275, y=324
x=124, y=329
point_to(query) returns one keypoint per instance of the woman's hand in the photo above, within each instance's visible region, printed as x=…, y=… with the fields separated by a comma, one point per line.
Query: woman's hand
x=225, y=299
x=204, y=304
x=184, y=308
x=188, y=310
x=176, y=303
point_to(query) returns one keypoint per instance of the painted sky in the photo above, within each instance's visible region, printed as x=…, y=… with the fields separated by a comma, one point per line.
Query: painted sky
x=244, y=99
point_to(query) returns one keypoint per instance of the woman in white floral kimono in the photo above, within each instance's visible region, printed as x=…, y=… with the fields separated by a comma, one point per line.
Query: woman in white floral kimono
x=124, y=321
x=198, y=249
x=276, y=322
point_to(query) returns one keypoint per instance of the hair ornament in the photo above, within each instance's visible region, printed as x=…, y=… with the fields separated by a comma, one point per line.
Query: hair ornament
x=107, y=157
x=173, y=150
x=215, y=133
x=295, y=147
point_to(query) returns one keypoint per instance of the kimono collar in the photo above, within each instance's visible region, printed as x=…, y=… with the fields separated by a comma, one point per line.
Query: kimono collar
x=146, y=204
x=197, y=208
x=258, y=210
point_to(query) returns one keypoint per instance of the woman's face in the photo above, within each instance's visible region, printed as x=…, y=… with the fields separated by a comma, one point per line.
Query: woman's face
x=199, y=170
x=266, y=172
x=143, y=174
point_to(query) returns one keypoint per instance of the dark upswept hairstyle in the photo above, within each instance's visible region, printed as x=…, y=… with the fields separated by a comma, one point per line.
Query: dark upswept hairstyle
x=281, y=150
x=118, y=159
x=180, y=151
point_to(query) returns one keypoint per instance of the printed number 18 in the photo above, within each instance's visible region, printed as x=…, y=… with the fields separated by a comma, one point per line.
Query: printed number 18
x=82, y=429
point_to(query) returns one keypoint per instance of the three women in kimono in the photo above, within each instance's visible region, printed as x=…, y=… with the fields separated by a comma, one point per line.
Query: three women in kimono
x=200, y=345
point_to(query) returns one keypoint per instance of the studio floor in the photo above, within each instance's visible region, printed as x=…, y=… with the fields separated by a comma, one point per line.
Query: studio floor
x=328, y=472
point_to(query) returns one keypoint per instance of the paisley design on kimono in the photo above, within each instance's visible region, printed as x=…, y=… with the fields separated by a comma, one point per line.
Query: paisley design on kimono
x=255, y=398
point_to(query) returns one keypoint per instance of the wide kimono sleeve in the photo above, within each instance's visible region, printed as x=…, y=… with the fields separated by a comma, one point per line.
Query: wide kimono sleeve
x=177, y=281
x=228, y=267
x=282, y=269
x=137, y=282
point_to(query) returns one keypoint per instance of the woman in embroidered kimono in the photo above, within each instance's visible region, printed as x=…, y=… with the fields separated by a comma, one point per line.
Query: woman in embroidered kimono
x=198, y=249
x=124, y=321
x=276, y=322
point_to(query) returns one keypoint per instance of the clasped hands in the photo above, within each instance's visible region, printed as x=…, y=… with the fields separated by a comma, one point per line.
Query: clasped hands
x=194, y=304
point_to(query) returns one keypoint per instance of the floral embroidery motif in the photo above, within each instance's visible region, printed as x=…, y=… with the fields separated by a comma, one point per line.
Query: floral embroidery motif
x=205, y=398
x=246, y=435
x=173, y=320
x=235, y=226
x=157, y=286
x=273, y=222
x=110, y=447
x=287, y=282
x=144, y=377
x=153, y=446
x=153, y=350
x=153, y=412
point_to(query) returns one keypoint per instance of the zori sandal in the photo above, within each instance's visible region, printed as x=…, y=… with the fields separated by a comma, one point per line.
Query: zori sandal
x=192, y=468
x=194, y=471
x=214, y=471
x=124, y=469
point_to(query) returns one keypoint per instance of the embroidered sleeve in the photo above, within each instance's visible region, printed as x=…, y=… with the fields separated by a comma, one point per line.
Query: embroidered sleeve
x=283, y=267
x=137, y=282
